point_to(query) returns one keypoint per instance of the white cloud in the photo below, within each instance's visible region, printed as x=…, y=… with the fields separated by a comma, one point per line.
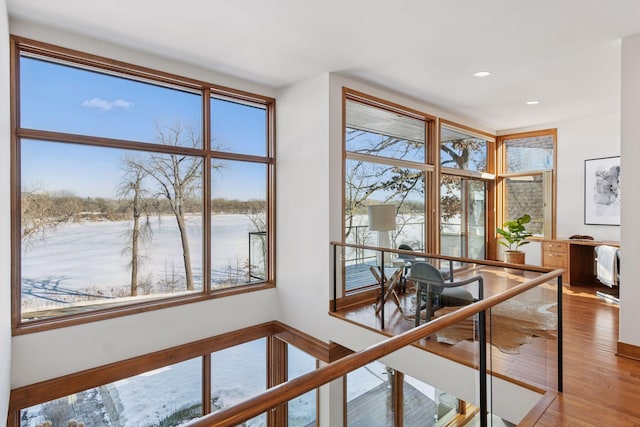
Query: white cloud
x=118, y=104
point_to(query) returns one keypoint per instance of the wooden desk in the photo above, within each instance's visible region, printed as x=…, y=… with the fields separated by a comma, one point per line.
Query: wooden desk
x=576, y=257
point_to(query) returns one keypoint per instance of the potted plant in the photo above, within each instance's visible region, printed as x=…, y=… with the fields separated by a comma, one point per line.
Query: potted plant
x=514, y=235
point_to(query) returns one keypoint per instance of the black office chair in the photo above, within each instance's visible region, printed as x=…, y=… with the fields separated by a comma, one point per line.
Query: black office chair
x=410, y=259
x=432, y=288
x=407, y=257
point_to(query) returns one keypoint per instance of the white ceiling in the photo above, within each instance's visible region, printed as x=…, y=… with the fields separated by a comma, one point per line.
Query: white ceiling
x=563, y=53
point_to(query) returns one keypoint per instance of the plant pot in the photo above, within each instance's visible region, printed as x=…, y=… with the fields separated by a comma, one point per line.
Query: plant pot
x=514, y=257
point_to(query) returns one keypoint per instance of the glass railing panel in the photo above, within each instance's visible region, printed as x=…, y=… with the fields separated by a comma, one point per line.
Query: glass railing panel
x=424, y=405
x=357, y=268
x=523, y=341
x=523, y=332
x=389, y=277
x=529, y=363
x=257, y=264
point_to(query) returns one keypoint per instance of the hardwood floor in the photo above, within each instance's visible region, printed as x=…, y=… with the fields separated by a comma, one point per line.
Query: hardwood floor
x=600, y=388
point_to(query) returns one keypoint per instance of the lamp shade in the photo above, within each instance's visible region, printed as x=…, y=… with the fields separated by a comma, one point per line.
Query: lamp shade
x=382, y=217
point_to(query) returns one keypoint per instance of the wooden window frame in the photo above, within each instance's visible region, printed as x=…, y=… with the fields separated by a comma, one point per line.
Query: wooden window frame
x=82, y=60
x=432, y=168
x=278, y=337
x=429, y=166
x=489, y=177
x=502, y=174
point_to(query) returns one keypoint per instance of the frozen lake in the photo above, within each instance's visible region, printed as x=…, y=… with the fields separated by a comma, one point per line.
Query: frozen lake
x=93, y=257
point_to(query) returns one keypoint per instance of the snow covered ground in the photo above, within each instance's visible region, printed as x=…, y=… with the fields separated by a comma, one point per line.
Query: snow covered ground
x=237, y=373
x=92, y=257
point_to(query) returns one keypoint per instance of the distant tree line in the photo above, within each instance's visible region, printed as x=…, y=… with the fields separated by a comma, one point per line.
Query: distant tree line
x=61, y=206
x=245, y=207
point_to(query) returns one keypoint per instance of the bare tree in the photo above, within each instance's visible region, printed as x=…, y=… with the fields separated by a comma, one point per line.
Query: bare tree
x=364, y=180
x=178, y=177
x=44, y=211
x=57, y=412
x=462, y=152
x=133, y=192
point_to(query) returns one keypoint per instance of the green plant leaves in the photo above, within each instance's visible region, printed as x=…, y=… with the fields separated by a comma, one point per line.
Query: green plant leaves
x=514, y=232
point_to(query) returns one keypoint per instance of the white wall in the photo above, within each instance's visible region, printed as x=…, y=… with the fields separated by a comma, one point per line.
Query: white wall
x=578, y=140
x=630, y=239
x=302, y=226
x=5, y=224
x=81, y=347
x=94, y=344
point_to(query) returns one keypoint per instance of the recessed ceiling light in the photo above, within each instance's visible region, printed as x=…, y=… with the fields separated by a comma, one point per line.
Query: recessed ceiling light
x=533, y=102
x=482, y=74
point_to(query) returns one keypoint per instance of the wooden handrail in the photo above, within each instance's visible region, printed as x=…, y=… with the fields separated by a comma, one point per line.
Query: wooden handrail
x=525, y=267
x=284, y=392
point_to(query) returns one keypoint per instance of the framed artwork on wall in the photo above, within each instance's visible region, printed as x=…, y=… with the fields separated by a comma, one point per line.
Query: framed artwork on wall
x=602, y=191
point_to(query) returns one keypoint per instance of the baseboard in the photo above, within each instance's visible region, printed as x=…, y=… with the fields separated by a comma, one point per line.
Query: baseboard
x=356, y=299
x=629, y=351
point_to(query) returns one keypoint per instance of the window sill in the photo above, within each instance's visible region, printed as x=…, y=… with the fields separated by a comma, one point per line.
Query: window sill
x=28, y=327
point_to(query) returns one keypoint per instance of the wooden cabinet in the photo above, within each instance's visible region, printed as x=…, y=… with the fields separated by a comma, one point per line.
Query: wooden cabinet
x=576, y=257
x=555, y=254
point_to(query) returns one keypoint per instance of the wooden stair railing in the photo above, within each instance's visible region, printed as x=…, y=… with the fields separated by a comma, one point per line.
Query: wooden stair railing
x=236, y=414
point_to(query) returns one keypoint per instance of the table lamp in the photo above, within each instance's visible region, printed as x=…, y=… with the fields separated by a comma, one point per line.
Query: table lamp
x=382, y=218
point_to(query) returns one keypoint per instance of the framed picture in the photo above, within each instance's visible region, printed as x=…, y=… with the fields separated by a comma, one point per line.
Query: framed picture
x=602, y=191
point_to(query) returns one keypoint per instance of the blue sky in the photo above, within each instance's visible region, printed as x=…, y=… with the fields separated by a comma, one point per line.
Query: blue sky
x=61, y=98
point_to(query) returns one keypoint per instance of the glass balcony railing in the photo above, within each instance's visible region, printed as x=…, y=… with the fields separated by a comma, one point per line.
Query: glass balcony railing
x=491, y=358
x=523, y=329
x=257, y=263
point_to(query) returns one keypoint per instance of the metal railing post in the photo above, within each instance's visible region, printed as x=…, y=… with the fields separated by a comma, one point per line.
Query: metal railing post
x=335, y=279
x=560, y=349
x=482, y=338
x=381, y=267
x=249, y=257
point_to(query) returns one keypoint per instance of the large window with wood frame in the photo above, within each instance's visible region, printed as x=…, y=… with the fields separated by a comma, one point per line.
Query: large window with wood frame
x=466, y=166
x=387, y=162
x=133, y=186
x=526, y=180
x=175, y=385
